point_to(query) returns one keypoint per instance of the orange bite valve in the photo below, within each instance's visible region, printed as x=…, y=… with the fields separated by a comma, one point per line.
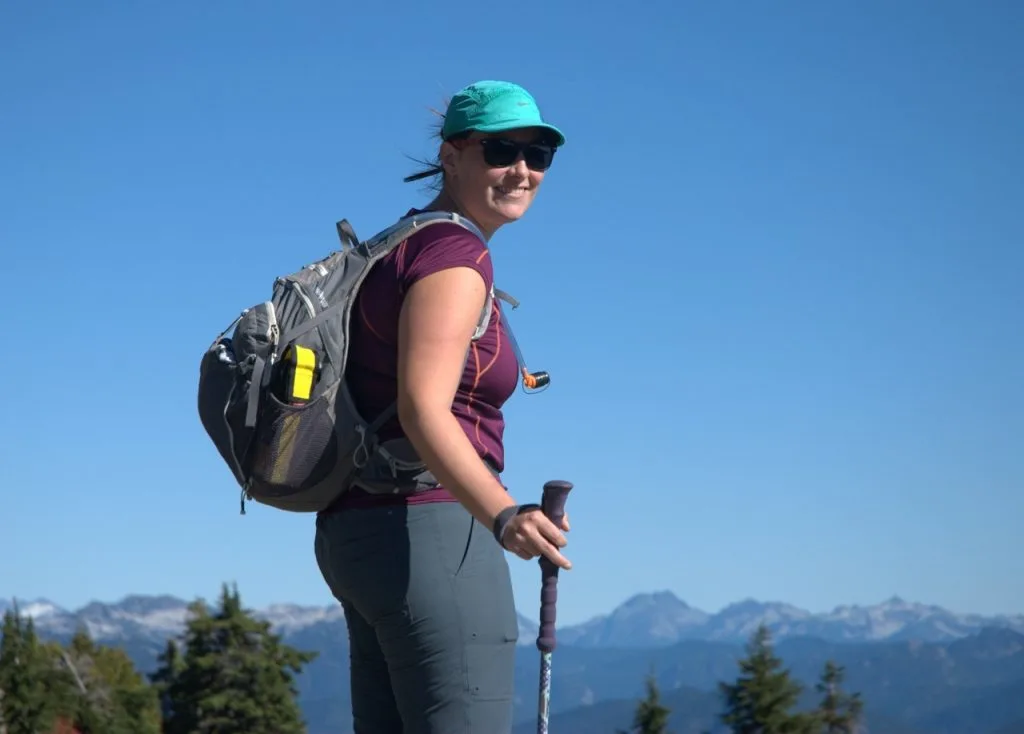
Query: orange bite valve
x=535, y=380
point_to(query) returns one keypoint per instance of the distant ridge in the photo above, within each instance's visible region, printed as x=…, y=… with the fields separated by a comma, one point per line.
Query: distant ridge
x=652, y=619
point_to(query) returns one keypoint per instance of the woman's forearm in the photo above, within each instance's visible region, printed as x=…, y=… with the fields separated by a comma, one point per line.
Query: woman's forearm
x=446, y=450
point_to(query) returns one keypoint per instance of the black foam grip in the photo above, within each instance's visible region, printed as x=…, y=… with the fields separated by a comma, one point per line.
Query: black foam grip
x=553, y=505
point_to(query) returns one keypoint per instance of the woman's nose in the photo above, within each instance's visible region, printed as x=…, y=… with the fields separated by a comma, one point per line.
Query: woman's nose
x=520, y=167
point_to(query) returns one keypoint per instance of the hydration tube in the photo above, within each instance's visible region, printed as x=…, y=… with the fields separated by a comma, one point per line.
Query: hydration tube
x=533, y=382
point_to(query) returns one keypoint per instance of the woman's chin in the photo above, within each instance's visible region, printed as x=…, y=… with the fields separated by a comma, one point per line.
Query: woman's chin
x=510, y=209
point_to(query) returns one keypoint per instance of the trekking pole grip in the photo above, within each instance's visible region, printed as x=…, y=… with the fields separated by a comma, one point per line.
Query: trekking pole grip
x=553, y=506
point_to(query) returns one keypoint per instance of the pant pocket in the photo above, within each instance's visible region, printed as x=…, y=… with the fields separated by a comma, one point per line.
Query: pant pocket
x=491, y=626
x=491, y=631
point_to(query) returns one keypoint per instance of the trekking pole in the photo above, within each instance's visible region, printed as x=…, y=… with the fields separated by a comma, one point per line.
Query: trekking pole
x=553, y=506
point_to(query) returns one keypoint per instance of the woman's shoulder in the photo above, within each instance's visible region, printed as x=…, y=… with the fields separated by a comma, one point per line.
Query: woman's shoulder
x=440, y=246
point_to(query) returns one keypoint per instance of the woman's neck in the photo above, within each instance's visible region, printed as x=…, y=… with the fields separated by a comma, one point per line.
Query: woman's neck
x=445, y=202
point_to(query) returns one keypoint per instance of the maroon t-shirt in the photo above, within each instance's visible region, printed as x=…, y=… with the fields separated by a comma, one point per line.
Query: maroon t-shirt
x=491, y=372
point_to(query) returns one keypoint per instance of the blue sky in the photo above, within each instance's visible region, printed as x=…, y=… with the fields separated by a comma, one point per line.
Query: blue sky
x=776, y=275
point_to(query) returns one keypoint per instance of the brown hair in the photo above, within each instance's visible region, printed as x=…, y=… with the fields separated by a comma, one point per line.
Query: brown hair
x=433, y=167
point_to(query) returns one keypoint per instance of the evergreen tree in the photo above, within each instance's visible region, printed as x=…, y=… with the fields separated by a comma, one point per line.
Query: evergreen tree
x=170, y=668
x=27, y=678
x=651, y=717
x=232, y=676
x=761, y=699
x=838, y=712
x=113, y=697
x=182, y=677
x=81, y=689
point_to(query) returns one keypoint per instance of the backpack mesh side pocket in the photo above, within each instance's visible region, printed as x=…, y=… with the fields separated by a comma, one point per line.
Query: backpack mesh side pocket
x=295, y=447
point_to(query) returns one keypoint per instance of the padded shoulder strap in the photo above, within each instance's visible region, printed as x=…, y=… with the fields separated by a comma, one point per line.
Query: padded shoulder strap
x=485, y=316
x=405, y=226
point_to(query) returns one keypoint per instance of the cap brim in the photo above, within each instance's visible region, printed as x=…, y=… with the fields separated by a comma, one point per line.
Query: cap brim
x=521, y=124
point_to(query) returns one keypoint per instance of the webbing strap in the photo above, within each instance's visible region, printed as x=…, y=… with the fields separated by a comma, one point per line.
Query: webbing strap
x=255, y=387
x=296, y=331
x=380, y=420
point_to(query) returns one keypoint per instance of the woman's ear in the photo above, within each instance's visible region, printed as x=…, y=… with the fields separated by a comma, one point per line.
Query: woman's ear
x=449, y=159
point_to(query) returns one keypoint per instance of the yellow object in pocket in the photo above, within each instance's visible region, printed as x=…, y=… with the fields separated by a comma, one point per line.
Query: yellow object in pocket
x=301, y=372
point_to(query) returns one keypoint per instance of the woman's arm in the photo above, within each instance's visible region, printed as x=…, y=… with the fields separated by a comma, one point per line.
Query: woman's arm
x=438, y=318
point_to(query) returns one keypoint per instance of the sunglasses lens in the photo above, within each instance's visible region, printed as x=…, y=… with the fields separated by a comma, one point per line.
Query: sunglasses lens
x=538, y=157
x=499, y=152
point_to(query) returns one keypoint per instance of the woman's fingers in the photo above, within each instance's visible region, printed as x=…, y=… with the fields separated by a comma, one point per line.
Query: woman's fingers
x=556, y=558
x=535, y=535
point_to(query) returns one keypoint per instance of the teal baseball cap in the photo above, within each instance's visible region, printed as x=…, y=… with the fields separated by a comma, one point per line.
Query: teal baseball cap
x=494, y=106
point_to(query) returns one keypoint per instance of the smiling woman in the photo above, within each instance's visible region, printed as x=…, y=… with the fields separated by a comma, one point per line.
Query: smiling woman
x=515, y=144
x=422, y=577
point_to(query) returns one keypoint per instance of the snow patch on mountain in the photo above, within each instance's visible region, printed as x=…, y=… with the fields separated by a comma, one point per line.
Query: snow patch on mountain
x=288, y=618
x=644, y=620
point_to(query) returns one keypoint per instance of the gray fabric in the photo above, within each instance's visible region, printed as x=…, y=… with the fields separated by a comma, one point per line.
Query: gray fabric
x=431, y=618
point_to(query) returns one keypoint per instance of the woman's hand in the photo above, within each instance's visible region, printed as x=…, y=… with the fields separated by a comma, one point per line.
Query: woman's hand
x=530, y=534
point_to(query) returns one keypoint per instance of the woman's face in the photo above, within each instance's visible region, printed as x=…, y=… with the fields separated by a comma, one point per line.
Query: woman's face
x=494, y=177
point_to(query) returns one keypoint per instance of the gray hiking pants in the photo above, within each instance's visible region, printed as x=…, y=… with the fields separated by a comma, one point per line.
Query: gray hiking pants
x=431, y=618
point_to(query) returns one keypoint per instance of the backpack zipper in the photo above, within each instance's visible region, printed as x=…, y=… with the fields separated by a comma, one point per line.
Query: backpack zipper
x=273, y=332
x=306, y=300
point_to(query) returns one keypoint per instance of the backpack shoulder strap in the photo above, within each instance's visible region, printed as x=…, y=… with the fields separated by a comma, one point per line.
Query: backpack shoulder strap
x=406, y=226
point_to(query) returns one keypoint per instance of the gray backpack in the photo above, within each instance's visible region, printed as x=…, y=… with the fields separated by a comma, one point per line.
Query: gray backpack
x=273, y=396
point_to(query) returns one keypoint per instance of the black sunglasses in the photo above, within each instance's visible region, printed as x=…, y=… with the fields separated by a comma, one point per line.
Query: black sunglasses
x=502, y=152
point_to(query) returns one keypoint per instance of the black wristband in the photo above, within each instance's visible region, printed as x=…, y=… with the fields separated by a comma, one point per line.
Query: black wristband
x=503, y=518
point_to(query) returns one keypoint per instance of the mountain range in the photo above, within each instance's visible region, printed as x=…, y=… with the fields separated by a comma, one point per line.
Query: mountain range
x=647, y=620
x=920, y=667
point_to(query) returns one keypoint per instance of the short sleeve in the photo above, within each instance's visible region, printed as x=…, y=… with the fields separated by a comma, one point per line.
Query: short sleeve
x=440, y=247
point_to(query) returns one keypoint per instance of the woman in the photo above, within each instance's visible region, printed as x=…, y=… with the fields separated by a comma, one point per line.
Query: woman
x=423, y=580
